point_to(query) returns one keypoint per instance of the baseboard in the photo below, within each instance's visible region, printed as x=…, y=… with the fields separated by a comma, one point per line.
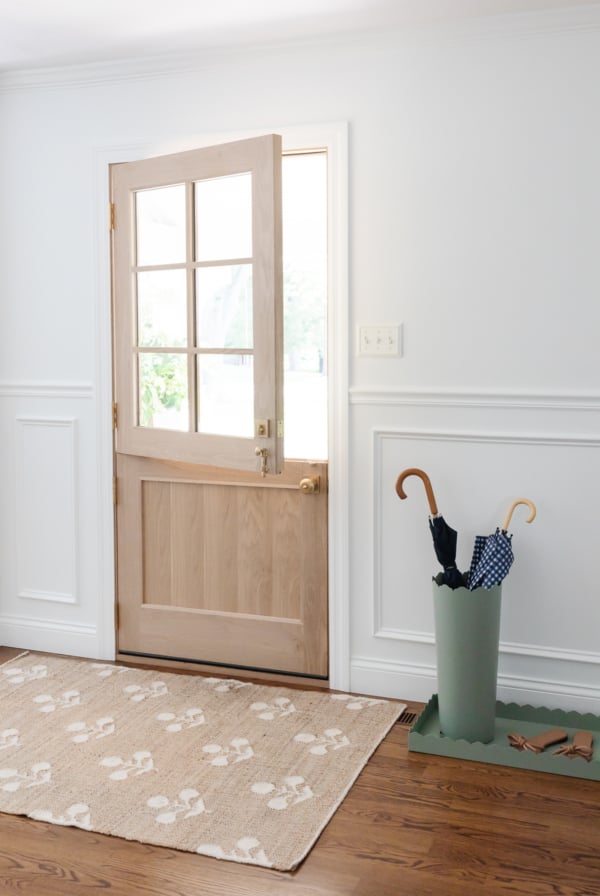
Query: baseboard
x=49, y=636
x=382, y=678
x=405, y=681
x=553, y=694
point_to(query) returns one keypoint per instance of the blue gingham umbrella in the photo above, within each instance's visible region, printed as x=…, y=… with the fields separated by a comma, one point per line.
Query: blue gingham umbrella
x=491, y=561
x=492, y=554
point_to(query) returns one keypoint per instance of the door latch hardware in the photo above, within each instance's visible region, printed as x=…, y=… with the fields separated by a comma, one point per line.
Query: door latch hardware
x=310, y=486
x=263, y=454
x=262, y=429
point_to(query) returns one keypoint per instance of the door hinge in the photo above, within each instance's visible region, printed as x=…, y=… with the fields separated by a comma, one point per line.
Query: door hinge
x=115, y=491
x=116, y=616
x=115, y=414
x=111, y=215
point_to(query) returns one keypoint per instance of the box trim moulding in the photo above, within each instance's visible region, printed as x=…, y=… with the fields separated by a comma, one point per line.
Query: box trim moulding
x=70, y=426
x=56, y=597
x=491, y=398
x=508, y=647
x=402, y=634
x=380, y=435
x=551, y=653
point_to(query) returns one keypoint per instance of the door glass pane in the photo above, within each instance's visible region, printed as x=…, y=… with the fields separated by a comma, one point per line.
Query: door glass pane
x=305, y=304
x=224, y=306
x=160, y=225
x=163, y=390
x=226, y=395
x=224, y=218
x=162, y=308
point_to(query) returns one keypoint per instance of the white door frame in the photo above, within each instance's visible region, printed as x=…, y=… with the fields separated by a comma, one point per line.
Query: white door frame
x=335, y=138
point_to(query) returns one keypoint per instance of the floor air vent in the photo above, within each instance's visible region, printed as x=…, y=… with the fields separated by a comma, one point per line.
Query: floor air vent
x=407, y=718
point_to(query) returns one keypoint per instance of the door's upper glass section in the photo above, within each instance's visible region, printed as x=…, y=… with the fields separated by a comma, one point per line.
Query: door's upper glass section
x=194, y=306
x=160, y=225
x=224, y=306
x=162, y=308
x=227, y=394
x=223, y=212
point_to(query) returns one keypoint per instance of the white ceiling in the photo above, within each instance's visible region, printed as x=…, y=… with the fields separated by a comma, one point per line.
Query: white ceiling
x=36, y=33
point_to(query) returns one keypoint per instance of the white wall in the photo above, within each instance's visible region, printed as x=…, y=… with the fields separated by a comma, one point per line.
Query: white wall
x=474, y=208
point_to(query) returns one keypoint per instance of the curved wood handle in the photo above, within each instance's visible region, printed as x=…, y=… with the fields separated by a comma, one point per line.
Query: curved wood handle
x=413, y=471
x=514, y=504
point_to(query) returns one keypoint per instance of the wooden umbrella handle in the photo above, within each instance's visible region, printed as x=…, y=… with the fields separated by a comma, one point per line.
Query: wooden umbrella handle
x=514, y=504
x=413, y=471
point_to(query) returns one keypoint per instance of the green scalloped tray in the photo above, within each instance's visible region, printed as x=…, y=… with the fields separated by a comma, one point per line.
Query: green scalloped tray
x=425, y=737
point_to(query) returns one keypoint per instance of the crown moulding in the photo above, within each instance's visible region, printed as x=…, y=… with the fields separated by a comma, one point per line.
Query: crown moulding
x=526, y=25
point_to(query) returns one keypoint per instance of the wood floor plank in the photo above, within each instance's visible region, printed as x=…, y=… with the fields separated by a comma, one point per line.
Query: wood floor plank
x=412, y=825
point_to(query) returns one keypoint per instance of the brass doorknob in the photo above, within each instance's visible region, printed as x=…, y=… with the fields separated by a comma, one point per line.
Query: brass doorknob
x=309, y=486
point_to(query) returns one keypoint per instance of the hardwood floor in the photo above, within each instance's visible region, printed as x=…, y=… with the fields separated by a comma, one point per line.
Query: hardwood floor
x=412, y=825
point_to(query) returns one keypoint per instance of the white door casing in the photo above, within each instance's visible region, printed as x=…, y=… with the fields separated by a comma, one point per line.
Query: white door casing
x=335, y=139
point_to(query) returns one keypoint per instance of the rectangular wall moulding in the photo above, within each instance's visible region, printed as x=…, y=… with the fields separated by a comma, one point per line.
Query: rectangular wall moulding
x=46, y=509
x=548, y=614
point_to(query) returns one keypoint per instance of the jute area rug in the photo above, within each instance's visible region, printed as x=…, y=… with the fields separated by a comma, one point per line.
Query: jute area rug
x=224, y=768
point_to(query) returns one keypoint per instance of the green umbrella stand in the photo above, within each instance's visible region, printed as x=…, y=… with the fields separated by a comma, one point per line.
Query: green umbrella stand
x=467, y=633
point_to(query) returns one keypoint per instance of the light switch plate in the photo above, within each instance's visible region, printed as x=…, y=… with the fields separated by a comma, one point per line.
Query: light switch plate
x=380, y=340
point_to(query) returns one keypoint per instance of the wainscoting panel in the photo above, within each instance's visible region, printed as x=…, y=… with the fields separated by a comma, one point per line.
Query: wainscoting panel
x=46, y=509
x=55, y=592
x=481, y=451
x=476, y=476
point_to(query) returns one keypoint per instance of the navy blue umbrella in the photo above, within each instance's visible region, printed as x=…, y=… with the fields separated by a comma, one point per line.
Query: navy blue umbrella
x=492, y=554
x=444, y=538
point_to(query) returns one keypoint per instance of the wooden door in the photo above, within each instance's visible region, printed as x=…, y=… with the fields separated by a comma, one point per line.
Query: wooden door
x=221, y=546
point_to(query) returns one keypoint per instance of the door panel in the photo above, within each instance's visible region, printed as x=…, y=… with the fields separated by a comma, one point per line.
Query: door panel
x=221, y=567
x=198, y=320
